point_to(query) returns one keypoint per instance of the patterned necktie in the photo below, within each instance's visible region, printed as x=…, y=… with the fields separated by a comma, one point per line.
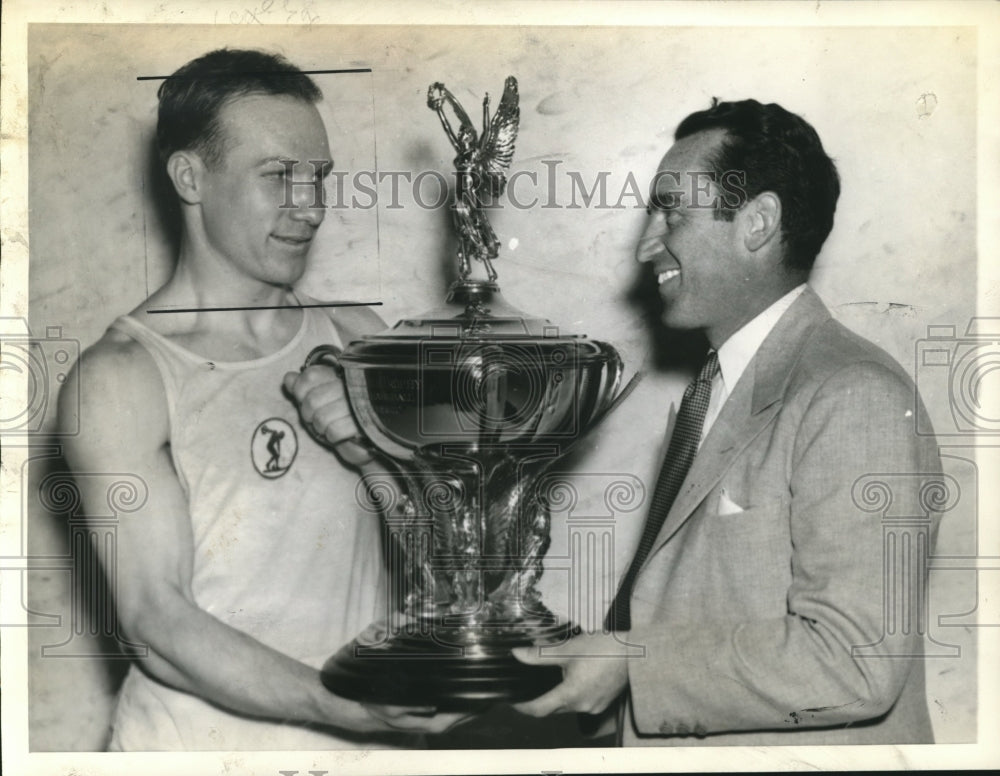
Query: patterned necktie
x=683, y=446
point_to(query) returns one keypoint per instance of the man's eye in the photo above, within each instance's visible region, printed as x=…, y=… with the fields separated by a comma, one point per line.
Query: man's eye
x=670, y=214
x=664, y=201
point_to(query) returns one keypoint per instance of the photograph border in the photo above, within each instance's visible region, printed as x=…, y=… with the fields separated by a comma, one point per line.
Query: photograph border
x=18, y=14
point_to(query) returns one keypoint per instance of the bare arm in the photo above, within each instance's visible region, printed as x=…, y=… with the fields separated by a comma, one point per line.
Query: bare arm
x=486, y=121
x=124, y=428
x=436, y=96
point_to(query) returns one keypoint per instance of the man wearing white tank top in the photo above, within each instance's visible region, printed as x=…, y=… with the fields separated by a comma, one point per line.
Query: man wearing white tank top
x=250, y=561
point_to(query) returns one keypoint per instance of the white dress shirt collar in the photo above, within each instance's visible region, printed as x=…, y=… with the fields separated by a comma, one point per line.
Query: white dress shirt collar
x=736, y=353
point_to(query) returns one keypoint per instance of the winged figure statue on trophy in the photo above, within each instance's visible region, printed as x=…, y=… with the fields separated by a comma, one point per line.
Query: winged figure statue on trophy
x=481, y=166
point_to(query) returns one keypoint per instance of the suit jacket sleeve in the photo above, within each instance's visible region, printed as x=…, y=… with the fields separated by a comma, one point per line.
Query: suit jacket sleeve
x=798, y=670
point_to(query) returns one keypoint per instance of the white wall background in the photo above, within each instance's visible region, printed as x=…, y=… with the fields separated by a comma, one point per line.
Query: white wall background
x=895, y=107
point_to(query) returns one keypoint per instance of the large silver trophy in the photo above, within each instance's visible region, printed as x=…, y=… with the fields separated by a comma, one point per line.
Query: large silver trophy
x=467, y=406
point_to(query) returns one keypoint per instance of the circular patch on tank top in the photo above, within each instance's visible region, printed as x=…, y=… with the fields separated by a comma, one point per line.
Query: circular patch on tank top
x=273, y=448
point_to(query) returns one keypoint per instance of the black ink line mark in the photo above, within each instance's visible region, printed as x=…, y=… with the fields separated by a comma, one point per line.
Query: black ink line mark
x=251, y=72
x=161, y=310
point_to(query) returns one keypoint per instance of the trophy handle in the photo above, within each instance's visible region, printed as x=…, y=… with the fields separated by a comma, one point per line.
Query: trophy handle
x=405, y=531
x=329, y=354
x=614, y=377
x=609, y=404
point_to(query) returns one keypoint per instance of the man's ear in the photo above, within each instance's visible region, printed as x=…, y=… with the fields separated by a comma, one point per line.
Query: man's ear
x=763, y=221
x=186, y=171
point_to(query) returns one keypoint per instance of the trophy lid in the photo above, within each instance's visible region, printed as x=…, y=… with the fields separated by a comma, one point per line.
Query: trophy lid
x=474, y=313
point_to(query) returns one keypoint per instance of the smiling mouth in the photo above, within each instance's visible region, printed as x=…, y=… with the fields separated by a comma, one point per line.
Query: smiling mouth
x=667, y=275
x=295, y=241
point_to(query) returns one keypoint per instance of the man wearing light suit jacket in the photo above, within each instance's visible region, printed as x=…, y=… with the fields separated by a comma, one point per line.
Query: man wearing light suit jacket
x=754, y=604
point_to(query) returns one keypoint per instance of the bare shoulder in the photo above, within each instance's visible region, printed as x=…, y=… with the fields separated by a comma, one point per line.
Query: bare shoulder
x=121, y=396
x=352, y=321
x=118, y=361
x=363, y=320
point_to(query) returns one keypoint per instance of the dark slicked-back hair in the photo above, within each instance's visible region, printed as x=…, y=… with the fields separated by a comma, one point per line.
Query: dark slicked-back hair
x=191, y=98
x=779, y=152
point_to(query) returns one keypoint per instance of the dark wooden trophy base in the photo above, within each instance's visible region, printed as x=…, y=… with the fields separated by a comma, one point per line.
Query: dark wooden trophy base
x=452, y=668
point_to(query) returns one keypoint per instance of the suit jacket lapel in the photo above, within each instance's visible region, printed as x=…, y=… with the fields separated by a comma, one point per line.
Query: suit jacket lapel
x=751, y=406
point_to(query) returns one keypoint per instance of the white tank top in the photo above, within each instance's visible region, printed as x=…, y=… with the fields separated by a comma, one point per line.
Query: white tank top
x=282, y=550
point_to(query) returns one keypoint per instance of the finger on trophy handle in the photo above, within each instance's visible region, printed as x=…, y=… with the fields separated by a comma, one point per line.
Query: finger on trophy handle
x=348, y=446
x=324, y=354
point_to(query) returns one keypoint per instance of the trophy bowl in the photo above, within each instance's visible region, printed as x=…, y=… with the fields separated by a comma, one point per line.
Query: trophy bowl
x=467, y=406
